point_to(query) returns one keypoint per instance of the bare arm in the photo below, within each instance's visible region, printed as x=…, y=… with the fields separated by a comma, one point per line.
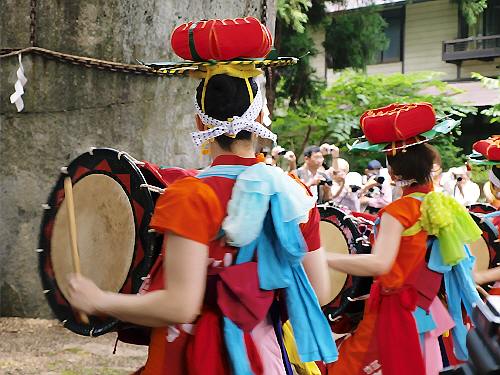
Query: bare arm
x=383, y=254
x=316, y=268
x=185, y=270
x=487, y=276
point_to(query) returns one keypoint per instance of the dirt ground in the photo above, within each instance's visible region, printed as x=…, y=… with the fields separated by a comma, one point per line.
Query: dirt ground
x=43, y=347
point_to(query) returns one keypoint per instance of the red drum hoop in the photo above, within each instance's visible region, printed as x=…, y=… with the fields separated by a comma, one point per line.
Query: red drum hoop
x=113, y=207
x=342, y=232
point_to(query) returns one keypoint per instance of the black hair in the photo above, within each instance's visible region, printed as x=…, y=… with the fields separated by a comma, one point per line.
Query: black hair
x=311, y=150
x=226, y=97
x=415, y=163
x=496, y=171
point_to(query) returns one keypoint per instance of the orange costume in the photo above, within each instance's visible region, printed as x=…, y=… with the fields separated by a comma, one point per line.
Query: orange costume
x=362, y=353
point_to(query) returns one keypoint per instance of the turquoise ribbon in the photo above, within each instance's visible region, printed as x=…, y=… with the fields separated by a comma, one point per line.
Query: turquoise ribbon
x=460, y=289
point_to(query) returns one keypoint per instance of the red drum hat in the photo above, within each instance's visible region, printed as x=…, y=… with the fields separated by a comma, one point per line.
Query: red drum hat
x=236, y=47
x=234, y=42
x=222, y=39
x=486, y=151
x=398, y=126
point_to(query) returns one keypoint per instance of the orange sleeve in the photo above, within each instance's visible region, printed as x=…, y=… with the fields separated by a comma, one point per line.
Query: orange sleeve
x=406, y=210
x=189, y=208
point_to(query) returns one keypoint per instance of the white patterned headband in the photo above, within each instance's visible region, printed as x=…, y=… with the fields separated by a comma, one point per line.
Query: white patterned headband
x=232, y=127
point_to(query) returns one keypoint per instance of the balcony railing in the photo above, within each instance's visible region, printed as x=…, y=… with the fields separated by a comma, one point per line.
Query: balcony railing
x=473, y=48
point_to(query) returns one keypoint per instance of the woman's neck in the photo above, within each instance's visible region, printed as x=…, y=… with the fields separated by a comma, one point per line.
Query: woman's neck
x=243, y=149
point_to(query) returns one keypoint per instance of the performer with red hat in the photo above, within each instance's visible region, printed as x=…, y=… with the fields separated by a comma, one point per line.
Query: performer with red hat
x=242, y=244
x=487, y=152
x=403, y=317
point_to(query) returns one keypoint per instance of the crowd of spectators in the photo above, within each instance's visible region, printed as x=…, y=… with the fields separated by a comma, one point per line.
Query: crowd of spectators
x=329, y=178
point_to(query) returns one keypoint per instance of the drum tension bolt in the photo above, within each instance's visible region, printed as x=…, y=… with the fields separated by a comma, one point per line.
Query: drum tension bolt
x=91, y=150
x=64, y=170
x=361, y=298
x=39, y=250
x=45, y=206
x=46, y=291
x=333, y=319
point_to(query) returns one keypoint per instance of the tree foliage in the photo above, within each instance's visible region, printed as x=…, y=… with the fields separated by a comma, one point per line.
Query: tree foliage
x=354, y=38
x=293, y=13
x=472, y=9
x=334, y=116
x=351, y=38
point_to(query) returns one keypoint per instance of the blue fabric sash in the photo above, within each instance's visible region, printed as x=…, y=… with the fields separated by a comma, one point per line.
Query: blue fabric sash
x=227, y=171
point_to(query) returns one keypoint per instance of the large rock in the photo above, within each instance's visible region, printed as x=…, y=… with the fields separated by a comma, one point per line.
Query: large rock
x=69, y=108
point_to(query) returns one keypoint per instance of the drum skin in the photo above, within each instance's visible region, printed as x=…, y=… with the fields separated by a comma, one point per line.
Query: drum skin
x=116, y=249
x=343, y=233
x=106, y=232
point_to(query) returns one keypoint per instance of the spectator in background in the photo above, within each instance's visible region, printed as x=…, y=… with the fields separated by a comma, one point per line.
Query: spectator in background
x=284, y=159
x=313, y=175
x=345, y=186
x=460, y=186
x=439, y=178
x=377, y=191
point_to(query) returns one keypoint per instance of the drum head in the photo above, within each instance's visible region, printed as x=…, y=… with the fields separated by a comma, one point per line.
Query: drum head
x=481, y=251
x=334, y=241
x=344, y=234
x=105, y=232
x=112, y=212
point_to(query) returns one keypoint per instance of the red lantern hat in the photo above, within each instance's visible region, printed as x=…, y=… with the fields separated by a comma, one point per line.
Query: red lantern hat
x=486, y=151
x=398, y=126
x=236, y=42
x=234, y=47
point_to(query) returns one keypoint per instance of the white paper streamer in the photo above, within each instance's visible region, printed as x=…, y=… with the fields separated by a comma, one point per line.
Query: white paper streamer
x=16, y=98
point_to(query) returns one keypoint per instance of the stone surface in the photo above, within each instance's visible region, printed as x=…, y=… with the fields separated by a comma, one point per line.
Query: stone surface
x=69, y=108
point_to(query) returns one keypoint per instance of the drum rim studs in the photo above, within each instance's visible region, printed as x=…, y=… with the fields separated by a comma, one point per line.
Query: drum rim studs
x=64, y=170
x=152, y=188
x=46, y=206
x=45, y=291
x=360, y=298
x=91, y=150
x=134, y=160
x=334, y=319
x=39, y=250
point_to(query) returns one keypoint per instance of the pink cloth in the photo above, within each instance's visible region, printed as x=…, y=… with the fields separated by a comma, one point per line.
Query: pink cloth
x=432, y=352
x=267, y=345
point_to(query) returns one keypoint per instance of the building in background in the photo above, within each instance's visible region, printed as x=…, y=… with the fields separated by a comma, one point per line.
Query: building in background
x=433, y=36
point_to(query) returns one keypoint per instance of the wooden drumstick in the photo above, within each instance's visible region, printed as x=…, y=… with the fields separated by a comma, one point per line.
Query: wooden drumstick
x=68, y=192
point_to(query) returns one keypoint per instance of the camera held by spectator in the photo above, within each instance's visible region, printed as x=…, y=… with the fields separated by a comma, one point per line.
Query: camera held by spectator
x=327, y=149
x=326, y=179
x=278, y=151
